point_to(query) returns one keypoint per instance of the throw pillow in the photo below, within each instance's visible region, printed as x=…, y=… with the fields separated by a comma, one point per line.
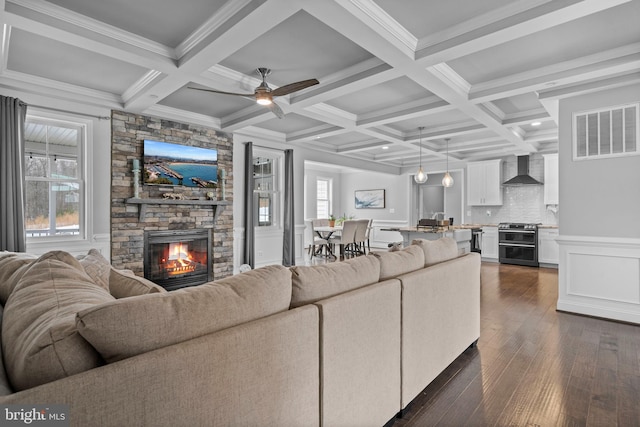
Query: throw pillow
x=40, y=342
x=436, y=251
x=393, y=264
x=313, y=283
x=130, y=326
x=124, y=283
x=12, y=266
x=97, y=267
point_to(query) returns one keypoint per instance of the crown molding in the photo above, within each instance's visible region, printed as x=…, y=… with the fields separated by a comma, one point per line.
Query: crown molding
x=140, y=85
x=28, y=83
x=170, y=113
x=220, y=18
x=378, y=20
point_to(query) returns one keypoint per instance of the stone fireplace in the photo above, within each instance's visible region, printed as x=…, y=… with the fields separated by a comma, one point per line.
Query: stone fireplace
x=179, y=258
x=133, y=218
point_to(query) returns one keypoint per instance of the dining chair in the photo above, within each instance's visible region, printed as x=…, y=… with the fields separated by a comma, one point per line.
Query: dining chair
x=346, y=240
x=369, y=226
x=361, y=236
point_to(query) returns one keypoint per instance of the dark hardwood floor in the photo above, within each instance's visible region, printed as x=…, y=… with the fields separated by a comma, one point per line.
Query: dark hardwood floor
x=535, y=366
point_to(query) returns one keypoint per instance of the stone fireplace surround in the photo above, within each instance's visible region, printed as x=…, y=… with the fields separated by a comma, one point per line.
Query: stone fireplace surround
x=128, y=131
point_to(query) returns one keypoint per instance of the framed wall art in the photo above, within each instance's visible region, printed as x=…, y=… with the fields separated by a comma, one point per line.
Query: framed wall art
x=369, y=199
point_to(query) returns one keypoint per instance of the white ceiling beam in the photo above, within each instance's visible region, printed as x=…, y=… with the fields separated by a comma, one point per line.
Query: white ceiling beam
x=412, y=110
x=619, y=60
x=589, y=86
x=525, y=117
x=511, y=22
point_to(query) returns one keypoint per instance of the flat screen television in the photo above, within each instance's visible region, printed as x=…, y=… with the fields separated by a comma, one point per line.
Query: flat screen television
x=181, y=165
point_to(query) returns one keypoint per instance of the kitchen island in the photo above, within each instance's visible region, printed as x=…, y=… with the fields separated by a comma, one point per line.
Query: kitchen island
x=462, y=236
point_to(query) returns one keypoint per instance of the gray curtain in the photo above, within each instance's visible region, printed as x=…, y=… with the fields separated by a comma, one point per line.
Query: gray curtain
x=12, y=231
x=288, y=245
x=249, y=225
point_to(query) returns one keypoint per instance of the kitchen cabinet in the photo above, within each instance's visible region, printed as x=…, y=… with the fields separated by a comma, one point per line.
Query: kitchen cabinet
x=548, y=250
x=484, y=183
x=551, y=181
x=490, y=243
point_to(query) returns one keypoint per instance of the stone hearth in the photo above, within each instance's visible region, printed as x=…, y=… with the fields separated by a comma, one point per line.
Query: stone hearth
x=128, y=131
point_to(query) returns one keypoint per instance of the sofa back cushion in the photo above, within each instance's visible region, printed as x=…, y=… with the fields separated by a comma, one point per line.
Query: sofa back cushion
x=97, y=267
x=40, y=342
x=313, y=283
x=436, y=251
x=393, y=264
x=12, y=267
x=130, y=326
x=124, y=283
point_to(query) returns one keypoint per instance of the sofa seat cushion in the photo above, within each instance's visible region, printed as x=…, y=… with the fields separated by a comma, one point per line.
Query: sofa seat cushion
x=130, y=326
x=40, y=342
x=437, y=251
x=393, y=264
x=313, y=283
x=12, y=266
x=124, y=283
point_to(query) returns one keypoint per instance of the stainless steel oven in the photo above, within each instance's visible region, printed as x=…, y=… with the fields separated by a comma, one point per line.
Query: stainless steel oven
x=518, y=244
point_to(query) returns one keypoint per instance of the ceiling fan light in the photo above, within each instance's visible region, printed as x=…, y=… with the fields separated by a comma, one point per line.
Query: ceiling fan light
x=263, y=100
x=420, y=177
x=447, y=180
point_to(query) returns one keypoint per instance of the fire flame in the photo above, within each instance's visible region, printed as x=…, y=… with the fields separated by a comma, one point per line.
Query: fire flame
x=180, y=261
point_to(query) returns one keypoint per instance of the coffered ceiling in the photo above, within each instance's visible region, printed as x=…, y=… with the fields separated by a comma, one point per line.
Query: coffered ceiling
x=479, y=73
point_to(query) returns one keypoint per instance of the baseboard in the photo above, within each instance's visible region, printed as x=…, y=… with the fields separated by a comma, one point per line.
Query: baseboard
x=599, y=312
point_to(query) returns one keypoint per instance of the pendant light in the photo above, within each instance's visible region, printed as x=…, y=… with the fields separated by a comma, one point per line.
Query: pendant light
x=447, y=181
x=420, y=177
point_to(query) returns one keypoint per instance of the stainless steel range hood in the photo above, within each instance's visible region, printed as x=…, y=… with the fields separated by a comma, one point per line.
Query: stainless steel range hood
x=523, y=177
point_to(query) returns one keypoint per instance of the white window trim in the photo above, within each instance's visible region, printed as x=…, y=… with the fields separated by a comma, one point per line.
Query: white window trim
x=42, y=244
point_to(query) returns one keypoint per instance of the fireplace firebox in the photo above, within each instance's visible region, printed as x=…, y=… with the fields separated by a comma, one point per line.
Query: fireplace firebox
x=177, y=258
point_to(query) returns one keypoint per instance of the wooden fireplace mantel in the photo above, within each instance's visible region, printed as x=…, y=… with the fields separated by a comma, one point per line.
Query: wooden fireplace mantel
x=217, y=205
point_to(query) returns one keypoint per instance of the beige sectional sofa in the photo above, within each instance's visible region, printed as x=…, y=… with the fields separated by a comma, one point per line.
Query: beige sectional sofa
x=342, y=344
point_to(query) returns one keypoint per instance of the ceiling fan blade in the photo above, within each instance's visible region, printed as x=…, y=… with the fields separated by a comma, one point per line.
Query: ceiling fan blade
x=275, y=109
x=252, y=95
x=294, y=87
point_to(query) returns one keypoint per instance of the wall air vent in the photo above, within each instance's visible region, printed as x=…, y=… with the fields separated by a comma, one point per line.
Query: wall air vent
x=603, y=133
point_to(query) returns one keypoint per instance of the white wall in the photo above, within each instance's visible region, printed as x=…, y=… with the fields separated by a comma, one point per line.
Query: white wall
x=598, y=197
x=599, y=269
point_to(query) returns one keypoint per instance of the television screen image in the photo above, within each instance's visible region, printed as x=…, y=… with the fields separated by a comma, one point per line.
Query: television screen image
x=174, y=164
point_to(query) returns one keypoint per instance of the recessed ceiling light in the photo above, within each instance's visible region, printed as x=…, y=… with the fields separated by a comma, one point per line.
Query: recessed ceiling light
x=536, y=123
x=386, y=147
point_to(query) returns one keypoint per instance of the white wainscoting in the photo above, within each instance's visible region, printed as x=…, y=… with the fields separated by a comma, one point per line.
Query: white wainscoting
x=600, y=277
x=268, y=247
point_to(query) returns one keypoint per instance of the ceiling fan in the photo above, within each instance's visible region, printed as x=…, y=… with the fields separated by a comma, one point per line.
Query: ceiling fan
x=263, y=94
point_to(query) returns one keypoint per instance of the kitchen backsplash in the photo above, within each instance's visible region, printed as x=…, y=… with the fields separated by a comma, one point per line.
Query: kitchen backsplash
x=519, y=204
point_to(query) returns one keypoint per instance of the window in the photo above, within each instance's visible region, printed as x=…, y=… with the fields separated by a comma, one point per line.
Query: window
x=54, y=184
x=266, y=194
x=323, y=194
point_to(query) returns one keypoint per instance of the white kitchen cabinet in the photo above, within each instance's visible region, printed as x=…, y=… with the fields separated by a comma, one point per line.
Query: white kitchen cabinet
x=490, y=243
x=548, y=251
x=484, y=183
x=551, y=181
